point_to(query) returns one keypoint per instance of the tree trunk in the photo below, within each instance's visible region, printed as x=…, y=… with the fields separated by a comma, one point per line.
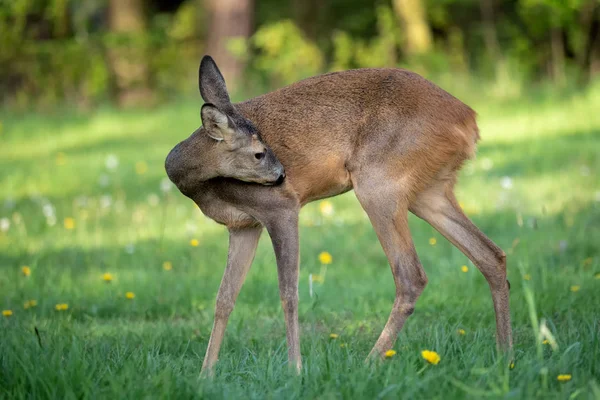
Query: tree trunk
x=306, y=14
x=587, y=58
x=558, y=56
x=228, y=19
x=127, y=54
x=490, y=38
x=414, y=21
x=594, y=56
x=489, y=29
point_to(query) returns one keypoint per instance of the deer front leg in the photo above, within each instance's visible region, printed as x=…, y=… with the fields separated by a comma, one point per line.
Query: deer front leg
x=284, y=235
x=242, y=247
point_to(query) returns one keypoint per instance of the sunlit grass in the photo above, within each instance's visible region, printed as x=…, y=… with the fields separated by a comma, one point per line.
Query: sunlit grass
x=85, y=196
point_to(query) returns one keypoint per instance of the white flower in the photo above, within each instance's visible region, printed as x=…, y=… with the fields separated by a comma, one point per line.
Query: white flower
x=48, y=210
x=105, y=201
x=153, y=200
x=4, y=224
x=165, y=185
x=104, y=180
x=506, y=183
x=112, y=162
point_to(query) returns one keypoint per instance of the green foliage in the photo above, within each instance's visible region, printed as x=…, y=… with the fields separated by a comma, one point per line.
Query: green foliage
x=532, y=188
x=380, y=51
x=61, y=50
x=45, y=71
x=284, y=54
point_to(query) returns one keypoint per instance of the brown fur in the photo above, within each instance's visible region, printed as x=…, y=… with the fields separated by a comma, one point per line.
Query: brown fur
x=392, y=136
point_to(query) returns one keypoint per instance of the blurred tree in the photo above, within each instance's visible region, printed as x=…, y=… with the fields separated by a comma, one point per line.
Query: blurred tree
x=417, y=32
x=588, y=56
x=566, y=25
x=127, y=52
x=228, y=19
x=489, y=32
x=78, y=50
x=306, y=16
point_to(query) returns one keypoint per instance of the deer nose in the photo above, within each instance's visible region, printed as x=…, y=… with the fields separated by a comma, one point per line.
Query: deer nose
x=281, y=178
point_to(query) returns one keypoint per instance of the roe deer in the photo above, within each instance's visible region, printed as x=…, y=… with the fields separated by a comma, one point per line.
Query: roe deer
x=394, y=137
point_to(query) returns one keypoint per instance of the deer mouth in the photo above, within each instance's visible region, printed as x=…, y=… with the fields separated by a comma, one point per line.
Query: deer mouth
x=277, y=182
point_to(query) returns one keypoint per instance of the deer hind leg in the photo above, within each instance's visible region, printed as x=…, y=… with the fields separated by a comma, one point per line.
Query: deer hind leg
x=438, y=206
x=387, y=207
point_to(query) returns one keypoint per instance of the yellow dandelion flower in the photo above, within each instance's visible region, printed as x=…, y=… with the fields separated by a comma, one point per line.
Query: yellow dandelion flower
x=130, y=295
x=575, y=288
x=167, y=266
x=342, y=345
x=69, y=223
x=325, y=258
x=512, y=365
x=194, y=242
x=61, y=307
x=390, y=353
x=597, y=275
x=25, y=270
x=333, y=335
x=141, y=167
x=527, y=277
x=563, y=377
x=545, y=341
x=462, y=332
x=326, y=207
x=464, y=268
x=431, y=356
x=29, y=304
x=432, y=241
x=107, y=277
x=7, y=313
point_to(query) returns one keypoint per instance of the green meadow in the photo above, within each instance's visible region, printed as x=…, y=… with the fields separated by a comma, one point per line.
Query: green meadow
x=108, y=275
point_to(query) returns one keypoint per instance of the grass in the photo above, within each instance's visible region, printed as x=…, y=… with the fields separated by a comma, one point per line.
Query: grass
x=533, y=189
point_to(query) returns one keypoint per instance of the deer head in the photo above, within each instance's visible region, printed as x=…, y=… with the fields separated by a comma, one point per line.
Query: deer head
x=226, y=145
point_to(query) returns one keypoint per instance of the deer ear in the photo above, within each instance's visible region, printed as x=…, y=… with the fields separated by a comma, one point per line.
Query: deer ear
x=212, y=85
x=216, y=124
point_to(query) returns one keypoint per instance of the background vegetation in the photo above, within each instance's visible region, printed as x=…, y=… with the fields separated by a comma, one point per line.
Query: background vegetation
x=108, y=275
x=146, y=51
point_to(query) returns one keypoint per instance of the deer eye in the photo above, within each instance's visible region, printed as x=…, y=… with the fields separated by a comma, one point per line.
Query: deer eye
x=259, y=156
